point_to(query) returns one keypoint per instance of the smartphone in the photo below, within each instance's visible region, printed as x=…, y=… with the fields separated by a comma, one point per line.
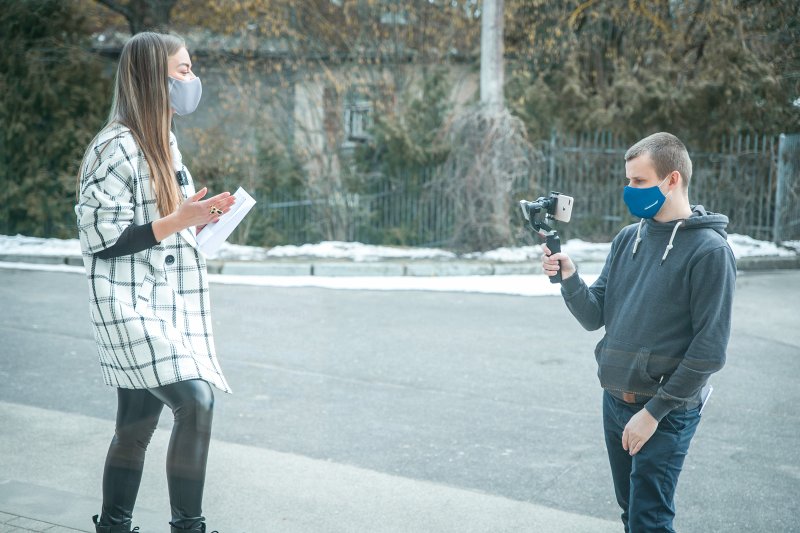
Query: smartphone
x=563, y=211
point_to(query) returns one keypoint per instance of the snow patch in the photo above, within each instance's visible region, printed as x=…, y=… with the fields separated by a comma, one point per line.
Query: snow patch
x=580, y=251
x=744, y=246
x=22, y=245
x=509, y=285
x=356, y=251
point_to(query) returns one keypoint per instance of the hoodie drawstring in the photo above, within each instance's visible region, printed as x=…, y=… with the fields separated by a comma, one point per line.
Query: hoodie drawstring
x=638, y=237
x=669, y=246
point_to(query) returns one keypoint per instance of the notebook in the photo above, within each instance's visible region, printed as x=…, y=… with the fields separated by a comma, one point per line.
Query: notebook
x=214, y=234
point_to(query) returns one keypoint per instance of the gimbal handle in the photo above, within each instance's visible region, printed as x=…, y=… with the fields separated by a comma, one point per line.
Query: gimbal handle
x=554, y=244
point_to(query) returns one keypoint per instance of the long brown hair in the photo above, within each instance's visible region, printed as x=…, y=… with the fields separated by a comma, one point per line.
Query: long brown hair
x=141, y=103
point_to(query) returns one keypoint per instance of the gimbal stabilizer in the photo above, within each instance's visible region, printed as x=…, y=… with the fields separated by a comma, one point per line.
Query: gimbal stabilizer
x=541, y=216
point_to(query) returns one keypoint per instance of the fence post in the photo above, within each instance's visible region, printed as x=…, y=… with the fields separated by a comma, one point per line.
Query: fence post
x=551, y=163
x=788, y=169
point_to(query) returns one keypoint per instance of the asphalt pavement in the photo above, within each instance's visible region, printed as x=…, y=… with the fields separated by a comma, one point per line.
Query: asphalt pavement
x=359, y=411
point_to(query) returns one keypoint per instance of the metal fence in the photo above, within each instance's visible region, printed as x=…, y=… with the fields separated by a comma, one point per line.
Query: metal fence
x=787, y=194
x=738, y=180
x=408, y=208
x=753, y=179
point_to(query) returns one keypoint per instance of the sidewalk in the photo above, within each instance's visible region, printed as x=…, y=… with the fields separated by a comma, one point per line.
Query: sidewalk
x=254, y=490
x=26, y=506
x=12, y=523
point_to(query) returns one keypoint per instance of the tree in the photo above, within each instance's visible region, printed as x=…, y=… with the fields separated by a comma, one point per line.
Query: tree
x=143, y=14
x=325, y=55
x=489, y=150
x=699, y=69
x=55, y=97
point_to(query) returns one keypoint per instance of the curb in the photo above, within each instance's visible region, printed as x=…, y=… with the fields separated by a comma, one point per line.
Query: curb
x=72, y=260
x=419, y=268
x=378, y=268
x=768, y=263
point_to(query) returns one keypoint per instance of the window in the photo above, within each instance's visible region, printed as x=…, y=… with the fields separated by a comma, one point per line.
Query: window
x=393, y=14
x=358, y=117
x=394, y=18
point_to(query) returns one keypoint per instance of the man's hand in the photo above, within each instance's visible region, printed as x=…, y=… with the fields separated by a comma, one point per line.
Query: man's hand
x=550, y=263
x=638, y=431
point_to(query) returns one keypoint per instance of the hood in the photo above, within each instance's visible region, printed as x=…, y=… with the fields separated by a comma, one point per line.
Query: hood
x=700, y=219
x=705, y=219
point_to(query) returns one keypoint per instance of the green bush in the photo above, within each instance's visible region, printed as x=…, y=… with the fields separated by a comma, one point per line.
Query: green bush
x=55, y=94
x=408, y=144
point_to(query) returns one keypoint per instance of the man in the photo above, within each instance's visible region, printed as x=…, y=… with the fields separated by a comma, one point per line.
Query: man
x=664, y=296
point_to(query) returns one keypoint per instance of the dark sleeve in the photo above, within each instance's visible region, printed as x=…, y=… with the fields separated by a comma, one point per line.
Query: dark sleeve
x=584, y=302
x=133, y=239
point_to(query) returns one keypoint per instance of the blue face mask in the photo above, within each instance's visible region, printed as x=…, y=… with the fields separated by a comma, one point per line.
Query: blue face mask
x=644, y=203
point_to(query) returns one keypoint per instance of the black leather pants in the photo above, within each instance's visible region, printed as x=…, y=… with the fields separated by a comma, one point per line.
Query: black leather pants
x=192, y=404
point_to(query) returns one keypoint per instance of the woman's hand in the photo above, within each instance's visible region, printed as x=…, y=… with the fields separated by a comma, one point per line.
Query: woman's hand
x=193, y=212
x=196, y=212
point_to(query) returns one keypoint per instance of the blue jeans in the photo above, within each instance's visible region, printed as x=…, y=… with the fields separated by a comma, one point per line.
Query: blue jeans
x=645, y=483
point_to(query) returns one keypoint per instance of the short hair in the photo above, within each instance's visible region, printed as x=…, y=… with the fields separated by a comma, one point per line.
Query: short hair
x=667, y=152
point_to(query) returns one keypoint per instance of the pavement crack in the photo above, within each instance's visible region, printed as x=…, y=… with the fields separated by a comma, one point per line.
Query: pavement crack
x=404, y=386
x=41, y=331
x=774, y=341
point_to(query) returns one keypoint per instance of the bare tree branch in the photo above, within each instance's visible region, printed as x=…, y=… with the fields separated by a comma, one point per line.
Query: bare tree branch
x=142, y=14
x=117, y=7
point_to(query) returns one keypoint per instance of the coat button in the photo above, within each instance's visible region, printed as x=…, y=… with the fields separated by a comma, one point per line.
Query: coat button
x=170, y=259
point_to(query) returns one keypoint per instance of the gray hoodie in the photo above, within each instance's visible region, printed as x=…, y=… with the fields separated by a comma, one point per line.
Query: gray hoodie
x=665, y=297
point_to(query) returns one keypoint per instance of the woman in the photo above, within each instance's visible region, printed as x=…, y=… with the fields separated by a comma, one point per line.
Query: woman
x=138, y=214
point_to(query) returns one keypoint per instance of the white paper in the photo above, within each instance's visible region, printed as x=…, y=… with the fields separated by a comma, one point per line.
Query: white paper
x=214, y=234
x=705, y=398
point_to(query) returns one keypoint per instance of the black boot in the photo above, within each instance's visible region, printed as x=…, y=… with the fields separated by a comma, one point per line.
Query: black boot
x=199, y=528
x=121, y=528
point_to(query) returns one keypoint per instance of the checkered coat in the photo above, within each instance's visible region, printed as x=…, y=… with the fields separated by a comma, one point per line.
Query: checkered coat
x=150, y=311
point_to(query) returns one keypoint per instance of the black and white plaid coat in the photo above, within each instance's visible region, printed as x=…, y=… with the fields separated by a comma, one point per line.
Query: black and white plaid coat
x=150, y=311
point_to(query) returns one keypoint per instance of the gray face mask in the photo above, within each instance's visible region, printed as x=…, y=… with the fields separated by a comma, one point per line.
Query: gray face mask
x=184, y=96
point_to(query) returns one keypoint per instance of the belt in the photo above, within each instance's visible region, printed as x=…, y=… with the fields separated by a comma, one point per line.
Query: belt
x=630, y=397
x=641, y=399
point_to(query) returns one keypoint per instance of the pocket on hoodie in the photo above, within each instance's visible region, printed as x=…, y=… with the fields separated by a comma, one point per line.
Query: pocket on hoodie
x=622, y=366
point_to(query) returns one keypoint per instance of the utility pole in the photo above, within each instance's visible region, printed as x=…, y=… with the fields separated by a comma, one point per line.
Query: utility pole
x=492, y=67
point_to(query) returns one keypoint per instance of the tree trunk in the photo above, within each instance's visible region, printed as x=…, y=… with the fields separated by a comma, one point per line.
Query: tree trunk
x=143, y=15
x=492, y=70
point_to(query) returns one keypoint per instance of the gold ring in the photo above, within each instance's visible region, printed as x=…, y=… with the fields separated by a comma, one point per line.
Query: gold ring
x=215, y=210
